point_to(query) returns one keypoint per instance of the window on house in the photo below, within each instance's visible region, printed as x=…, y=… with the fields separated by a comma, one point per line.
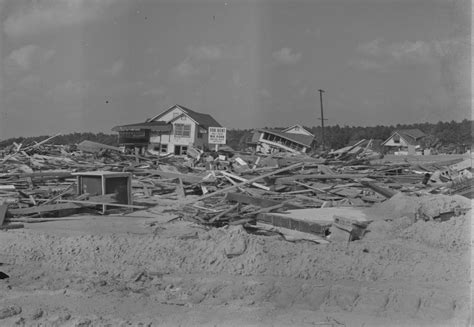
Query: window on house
x=182, y=130
x=161, y=147
x=396, y=138
x=180, y=149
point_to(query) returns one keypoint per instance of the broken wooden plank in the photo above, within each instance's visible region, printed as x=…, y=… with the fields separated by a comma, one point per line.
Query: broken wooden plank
x=257, y=201
x=261, y=186
x=243, y=190
x=223, y=213
x=60, y=194
x=42, y=142
x=227, y=189
x=42, y=174
x=3, y=211
x=101, y=199
x=43, y=209
x=186, y=178
x=108, y=204
x=386, y=192
x=293, y=178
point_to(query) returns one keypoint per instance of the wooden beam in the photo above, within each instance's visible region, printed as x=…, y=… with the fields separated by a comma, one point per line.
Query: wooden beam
x=45, y=208
x=108, y=204
x=290, y=179
x=230, y=188
x=40, y=143
x=55, y=174
x=3, y=211
x=60, y=194
x=261, y=186
x=186, y=178
x=223, y=213
x=257, y=201
x=386, y=192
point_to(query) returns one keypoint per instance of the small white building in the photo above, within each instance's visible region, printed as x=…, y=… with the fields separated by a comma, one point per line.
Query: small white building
x=404, y=141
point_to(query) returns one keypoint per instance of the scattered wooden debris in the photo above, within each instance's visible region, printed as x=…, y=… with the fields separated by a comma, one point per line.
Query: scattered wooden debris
x=38, y=182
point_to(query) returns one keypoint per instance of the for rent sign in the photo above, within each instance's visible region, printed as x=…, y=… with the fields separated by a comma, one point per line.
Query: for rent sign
x=217, y=135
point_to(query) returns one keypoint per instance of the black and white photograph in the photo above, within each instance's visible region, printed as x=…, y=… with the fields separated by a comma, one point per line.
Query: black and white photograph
x=236, y=163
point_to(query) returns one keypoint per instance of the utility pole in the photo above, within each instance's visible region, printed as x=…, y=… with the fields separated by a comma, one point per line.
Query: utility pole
x=322, y=118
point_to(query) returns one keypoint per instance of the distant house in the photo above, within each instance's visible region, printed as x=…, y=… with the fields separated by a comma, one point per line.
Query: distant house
x=171, y=131
x=295, y=139
x=407, y=140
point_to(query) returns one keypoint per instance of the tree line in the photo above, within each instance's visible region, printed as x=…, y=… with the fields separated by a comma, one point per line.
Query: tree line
x=439, y=134
x=336, y=136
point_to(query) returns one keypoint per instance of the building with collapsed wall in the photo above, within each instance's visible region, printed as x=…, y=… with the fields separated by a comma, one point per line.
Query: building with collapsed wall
x=294, y=139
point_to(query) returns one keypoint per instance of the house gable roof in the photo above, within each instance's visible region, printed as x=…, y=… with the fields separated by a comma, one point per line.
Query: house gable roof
x=410, y=136
x=305, y=140
x=296, y=125
x=205, y=120
x=413, y=133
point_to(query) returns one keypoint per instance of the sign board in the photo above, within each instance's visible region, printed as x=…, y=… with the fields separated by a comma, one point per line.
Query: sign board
x=217, y=135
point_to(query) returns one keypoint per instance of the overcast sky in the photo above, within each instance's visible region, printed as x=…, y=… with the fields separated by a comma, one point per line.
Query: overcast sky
x=89, y=65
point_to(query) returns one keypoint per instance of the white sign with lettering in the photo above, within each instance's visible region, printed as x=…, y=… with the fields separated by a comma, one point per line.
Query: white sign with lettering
x=217, y=135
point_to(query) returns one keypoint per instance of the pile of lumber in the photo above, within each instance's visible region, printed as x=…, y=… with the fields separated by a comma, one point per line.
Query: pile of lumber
x=217, y=189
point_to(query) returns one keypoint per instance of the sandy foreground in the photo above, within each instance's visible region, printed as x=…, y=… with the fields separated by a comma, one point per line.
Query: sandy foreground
x=145, y=270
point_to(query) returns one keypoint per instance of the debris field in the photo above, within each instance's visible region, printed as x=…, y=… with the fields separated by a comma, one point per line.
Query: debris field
x=93, y=236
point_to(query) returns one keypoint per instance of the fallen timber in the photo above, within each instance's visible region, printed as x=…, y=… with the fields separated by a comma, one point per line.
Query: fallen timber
x=40, y=184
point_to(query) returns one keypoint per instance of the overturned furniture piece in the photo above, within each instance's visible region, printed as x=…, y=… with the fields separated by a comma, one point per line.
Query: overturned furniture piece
x=105, y=182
